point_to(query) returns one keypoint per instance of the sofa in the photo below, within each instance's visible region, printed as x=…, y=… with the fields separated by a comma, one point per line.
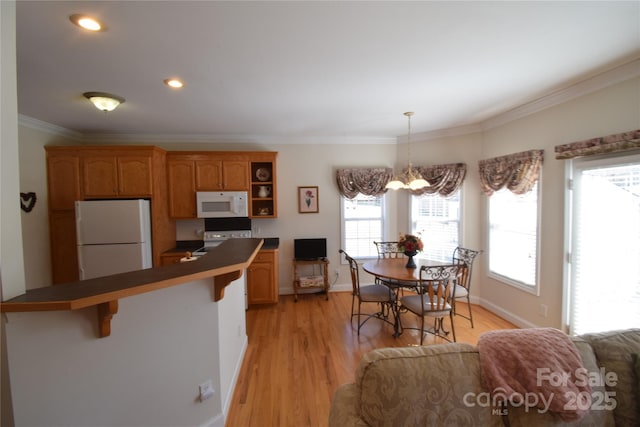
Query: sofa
x=441, y=385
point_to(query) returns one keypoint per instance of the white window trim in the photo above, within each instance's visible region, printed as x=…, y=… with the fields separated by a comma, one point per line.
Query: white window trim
x=385, y=214
x=460, y=218
x=530, y=289
x=570, y=166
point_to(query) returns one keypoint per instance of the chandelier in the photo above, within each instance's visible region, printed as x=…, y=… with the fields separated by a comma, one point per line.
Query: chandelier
x=410, y=179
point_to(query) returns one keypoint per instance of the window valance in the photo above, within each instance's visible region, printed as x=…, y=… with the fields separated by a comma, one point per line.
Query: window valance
x=518, y=172
x=368, y=181
x=601, y=145
x=443, y=179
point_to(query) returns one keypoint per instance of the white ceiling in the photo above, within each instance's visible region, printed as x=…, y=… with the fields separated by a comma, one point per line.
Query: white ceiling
x=302, y=69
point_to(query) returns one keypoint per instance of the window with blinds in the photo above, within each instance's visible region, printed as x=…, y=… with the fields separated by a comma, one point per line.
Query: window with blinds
x=605, y=245
x=362, y=224
x=437, y=220
x=513, y=238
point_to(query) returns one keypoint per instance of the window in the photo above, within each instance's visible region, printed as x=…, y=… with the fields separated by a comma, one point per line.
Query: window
x=362, y=224
x=513, y=238
x=604, y=279
x=437, y=220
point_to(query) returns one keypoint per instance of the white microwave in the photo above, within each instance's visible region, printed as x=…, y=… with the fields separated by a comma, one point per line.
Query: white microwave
x=222, y=204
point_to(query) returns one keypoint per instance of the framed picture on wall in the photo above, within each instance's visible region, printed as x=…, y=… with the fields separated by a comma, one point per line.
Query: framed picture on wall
x=308, y=200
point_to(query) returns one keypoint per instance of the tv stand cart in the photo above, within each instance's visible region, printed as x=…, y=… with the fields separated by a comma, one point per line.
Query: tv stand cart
x=314, y=281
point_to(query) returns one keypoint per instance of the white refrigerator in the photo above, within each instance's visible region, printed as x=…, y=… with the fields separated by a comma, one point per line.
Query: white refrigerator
x=114, y=236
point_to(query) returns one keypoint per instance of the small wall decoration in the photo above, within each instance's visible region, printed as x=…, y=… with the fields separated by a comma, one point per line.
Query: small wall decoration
x=308, y=200
x=27, y=201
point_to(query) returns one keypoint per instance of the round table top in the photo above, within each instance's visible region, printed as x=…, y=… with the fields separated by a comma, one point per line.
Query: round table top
x=394, y=268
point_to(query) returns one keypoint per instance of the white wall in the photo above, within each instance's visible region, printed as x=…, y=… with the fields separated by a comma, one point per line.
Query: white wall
x=163, y=345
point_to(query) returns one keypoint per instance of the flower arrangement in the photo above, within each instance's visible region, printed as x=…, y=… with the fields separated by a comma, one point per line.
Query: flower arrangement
x=410, y=243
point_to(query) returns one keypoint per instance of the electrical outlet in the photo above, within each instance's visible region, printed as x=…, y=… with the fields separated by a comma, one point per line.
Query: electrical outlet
x=206, y=390
x=543, y=310
x=337, y=272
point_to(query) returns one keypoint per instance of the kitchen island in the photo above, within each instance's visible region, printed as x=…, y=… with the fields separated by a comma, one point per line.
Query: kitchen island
x=175, y=331
x=224, y=264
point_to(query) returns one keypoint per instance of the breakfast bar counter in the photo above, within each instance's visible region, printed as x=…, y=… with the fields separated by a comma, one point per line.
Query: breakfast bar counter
x=224, y=264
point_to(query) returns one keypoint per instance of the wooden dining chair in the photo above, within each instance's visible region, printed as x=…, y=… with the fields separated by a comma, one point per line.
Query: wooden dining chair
x=464, y=257
x=376, y=293
x=436, y=291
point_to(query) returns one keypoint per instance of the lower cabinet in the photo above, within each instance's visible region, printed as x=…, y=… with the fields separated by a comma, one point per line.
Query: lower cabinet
x=262, y=278
x=166, y=259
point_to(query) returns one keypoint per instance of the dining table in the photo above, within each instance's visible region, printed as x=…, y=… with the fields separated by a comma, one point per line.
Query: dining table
x=394, y=273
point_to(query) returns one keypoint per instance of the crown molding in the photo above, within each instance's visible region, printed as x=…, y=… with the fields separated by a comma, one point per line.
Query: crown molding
x=619, y=74
x=235, y=139
x=36, y=124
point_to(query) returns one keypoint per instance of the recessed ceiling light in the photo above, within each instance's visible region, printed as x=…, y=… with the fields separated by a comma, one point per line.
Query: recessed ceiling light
x=86, y=22
x=174, y=83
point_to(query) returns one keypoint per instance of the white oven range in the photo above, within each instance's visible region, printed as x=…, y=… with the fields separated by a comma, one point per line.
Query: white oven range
x=214, y=238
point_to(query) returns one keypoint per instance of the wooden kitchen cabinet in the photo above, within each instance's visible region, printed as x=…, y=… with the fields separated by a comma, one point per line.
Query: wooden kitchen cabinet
x=181, y=187
x=262, y=278
x=263, y=195
x=123, y=175
x=168, y=259
x=63, y=170
x=64, y=252
x=225, y=175
x=103, y=172
x=188, y=172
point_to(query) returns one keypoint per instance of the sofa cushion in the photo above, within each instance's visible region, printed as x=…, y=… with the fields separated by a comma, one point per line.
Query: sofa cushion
x=614, y=351
x=422, y=386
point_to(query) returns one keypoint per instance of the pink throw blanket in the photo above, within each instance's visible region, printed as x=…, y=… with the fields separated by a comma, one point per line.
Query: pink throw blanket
x=535, y=368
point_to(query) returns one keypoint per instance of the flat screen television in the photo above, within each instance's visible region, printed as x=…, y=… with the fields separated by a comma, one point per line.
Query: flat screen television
x=309, y=249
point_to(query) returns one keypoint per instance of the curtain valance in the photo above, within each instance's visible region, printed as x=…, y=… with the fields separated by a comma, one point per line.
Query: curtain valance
x=443, y=179
x=368, y=181
x=518, y=172
x=601, y=145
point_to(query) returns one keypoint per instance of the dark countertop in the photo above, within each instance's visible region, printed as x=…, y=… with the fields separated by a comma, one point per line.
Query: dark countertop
x=231, y=256
x=183, y=246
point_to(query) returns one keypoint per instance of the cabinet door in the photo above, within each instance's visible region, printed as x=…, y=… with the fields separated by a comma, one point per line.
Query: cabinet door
x=235, y=175
x=182, y=188
x=134, y=176
x=260, y=289
x=63, y=177
x=170, y=259
x=100, y=176
x=208, y=175
x=64, y=254
x=262, y=278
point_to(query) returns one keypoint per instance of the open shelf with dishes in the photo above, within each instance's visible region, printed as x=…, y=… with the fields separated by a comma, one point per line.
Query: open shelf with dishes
x=263, y=187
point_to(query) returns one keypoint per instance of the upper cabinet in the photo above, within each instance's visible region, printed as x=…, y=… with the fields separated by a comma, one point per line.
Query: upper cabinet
x=117, y=175
x=263, y=195
x=192, y=171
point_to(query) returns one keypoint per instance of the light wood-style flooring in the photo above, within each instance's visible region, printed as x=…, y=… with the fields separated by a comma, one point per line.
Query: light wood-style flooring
x=300, y=352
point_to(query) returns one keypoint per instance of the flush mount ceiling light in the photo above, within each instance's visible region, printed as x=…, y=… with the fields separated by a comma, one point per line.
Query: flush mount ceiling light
x=174, y=83
x=104, y=101
x=410, y=179
x=86, y=22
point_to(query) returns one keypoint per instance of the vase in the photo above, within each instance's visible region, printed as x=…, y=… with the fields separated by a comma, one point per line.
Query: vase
x=410, y=262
